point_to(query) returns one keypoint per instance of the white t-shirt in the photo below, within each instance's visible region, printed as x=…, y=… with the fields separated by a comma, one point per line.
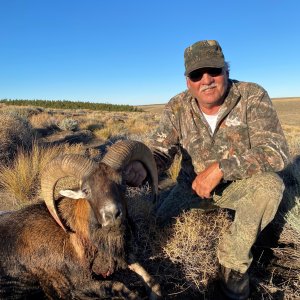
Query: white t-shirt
x=211, y=120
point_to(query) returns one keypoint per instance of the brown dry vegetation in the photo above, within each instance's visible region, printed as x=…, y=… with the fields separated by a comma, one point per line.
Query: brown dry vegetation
x=182, y=257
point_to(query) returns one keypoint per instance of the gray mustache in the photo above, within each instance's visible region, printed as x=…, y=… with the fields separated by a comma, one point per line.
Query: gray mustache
x=206, y=87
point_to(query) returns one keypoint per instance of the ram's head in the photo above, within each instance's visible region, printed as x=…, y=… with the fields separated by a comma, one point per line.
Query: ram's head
x=101, y=184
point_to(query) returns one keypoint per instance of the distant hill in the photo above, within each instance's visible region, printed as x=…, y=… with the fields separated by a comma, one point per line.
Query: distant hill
x=286, y=99
x=154, y=108
x=157, y=108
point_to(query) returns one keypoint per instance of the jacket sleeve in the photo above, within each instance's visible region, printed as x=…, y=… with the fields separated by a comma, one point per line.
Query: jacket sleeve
x=165, y=140
x=268, y=147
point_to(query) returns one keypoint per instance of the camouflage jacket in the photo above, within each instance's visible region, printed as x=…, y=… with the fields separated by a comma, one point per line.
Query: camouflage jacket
x=248, y=138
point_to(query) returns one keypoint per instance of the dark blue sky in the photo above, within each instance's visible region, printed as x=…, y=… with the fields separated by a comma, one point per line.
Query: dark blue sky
x=131, y=51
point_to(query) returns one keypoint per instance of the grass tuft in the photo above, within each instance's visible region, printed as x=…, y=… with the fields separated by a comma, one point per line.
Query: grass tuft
x=173, y=171
x=22, y=179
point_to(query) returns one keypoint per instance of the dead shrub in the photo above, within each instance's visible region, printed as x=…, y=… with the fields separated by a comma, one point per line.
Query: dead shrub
x=15, y=132
x=192, y=244
x=45, y=120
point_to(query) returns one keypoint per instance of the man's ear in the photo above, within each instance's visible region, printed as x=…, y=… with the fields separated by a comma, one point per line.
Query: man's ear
x=78, y=194
x=187, y=82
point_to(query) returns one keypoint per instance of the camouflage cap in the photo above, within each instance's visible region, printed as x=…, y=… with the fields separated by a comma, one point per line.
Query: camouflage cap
x=203, y=54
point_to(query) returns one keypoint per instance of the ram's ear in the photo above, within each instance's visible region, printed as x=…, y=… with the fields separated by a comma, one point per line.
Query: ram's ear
x=78, y=194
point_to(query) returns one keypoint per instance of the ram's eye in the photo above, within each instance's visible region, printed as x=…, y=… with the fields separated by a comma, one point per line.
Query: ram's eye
x=86, y=191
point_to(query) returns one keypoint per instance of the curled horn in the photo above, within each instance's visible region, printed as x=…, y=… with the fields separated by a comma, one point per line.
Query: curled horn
x=74, y=165
x=120, y=154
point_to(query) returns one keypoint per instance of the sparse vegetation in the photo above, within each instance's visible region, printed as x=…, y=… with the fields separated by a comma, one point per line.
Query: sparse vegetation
x=22, y=179
x=16, y=132
x=192, y=244
x=183, y=256
x=45, y=120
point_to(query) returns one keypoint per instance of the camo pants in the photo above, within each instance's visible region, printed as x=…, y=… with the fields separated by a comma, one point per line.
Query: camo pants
x=255, y=201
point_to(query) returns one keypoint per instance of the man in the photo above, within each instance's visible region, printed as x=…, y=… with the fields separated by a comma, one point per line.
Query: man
x=232, y=144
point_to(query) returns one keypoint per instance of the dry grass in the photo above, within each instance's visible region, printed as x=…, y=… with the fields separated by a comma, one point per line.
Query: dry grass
x=174, y=169
x=15, y=132
x=140, y=203
x=91, y=124
x=137, y=126
x=109, y=131
x=105, y=125
x=192, y=244
x=291, y=200
x=292, y=134
x=21, y=111
x=45, y=120
x=21, y=180
x=288, y=110
x=182, y=257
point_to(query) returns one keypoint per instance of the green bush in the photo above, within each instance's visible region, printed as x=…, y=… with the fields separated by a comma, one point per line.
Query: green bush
x=68, y=124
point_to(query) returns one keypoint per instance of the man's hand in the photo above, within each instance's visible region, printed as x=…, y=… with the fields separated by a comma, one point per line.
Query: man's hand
x=207, y=180
x=135, y=173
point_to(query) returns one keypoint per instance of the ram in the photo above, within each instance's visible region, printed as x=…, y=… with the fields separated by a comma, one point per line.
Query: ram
x=70, y=252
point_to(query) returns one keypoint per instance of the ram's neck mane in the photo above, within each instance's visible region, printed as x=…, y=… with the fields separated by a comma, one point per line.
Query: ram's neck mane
x=90, y=241
x=76, y=215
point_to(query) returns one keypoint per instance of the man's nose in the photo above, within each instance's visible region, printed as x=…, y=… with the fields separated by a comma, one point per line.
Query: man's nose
x=207, y=79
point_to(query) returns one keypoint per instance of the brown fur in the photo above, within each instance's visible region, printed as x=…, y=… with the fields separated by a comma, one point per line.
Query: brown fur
x=39, y=257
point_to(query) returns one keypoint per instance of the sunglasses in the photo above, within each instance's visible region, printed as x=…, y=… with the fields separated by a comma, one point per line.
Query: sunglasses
x=198, y=74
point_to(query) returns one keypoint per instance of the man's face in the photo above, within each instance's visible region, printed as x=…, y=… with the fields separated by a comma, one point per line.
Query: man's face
x=208, y=86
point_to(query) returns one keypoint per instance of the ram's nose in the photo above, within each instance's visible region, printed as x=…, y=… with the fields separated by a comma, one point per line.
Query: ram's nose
x=111, y=215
